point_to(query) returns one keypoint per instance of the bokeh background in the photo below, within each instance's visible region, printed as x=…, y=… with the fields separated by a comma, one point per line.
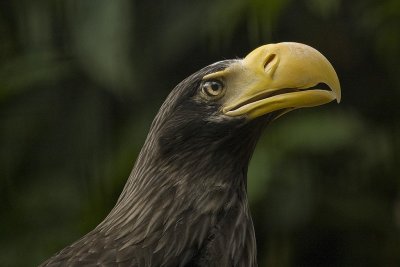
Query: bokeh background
x=80, y=82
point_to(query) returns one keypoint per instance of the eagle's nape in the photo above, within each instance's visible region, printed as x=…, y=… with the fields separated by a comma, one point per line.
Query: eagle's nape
x=185, y=202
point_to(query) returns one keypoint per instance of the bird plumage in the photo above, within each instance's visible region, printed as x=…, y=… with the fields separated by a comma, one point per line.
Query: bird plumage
x=185, y=202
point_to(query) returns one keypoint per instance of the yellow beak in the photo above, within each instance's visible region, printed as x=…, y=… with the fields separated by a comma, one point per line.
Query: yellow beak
x=282, y=76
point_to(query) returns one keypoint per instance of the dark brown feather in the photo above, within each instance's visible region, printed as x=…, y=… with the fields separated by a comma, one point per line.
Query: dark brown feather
x=185, y=201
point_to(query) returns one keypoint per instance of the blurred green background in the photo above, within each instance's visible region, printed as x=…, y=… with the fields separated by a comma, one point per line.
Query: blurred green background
x=80, y=82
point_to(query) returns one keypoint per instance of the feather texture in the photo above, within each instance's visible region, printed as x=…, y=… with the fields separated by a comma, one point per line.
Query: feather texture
x=185, y=201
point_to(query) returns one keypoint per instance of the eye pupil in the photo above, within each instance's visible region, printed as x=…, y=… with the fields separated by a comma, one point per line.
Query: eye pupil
x=215, y=86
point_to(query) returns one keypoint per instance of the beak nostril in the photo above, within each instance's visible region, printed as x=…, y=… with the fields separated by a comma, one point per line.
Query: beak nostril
x=268, y=65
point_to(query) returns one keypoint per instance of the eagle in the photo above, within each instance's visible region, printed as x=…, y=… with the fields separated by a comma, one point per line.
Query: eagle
x=185, y=202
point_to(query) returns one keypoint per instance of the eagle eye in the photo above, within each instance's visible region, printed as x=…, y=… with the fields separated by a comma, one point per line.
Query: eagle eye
x=213, y=88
